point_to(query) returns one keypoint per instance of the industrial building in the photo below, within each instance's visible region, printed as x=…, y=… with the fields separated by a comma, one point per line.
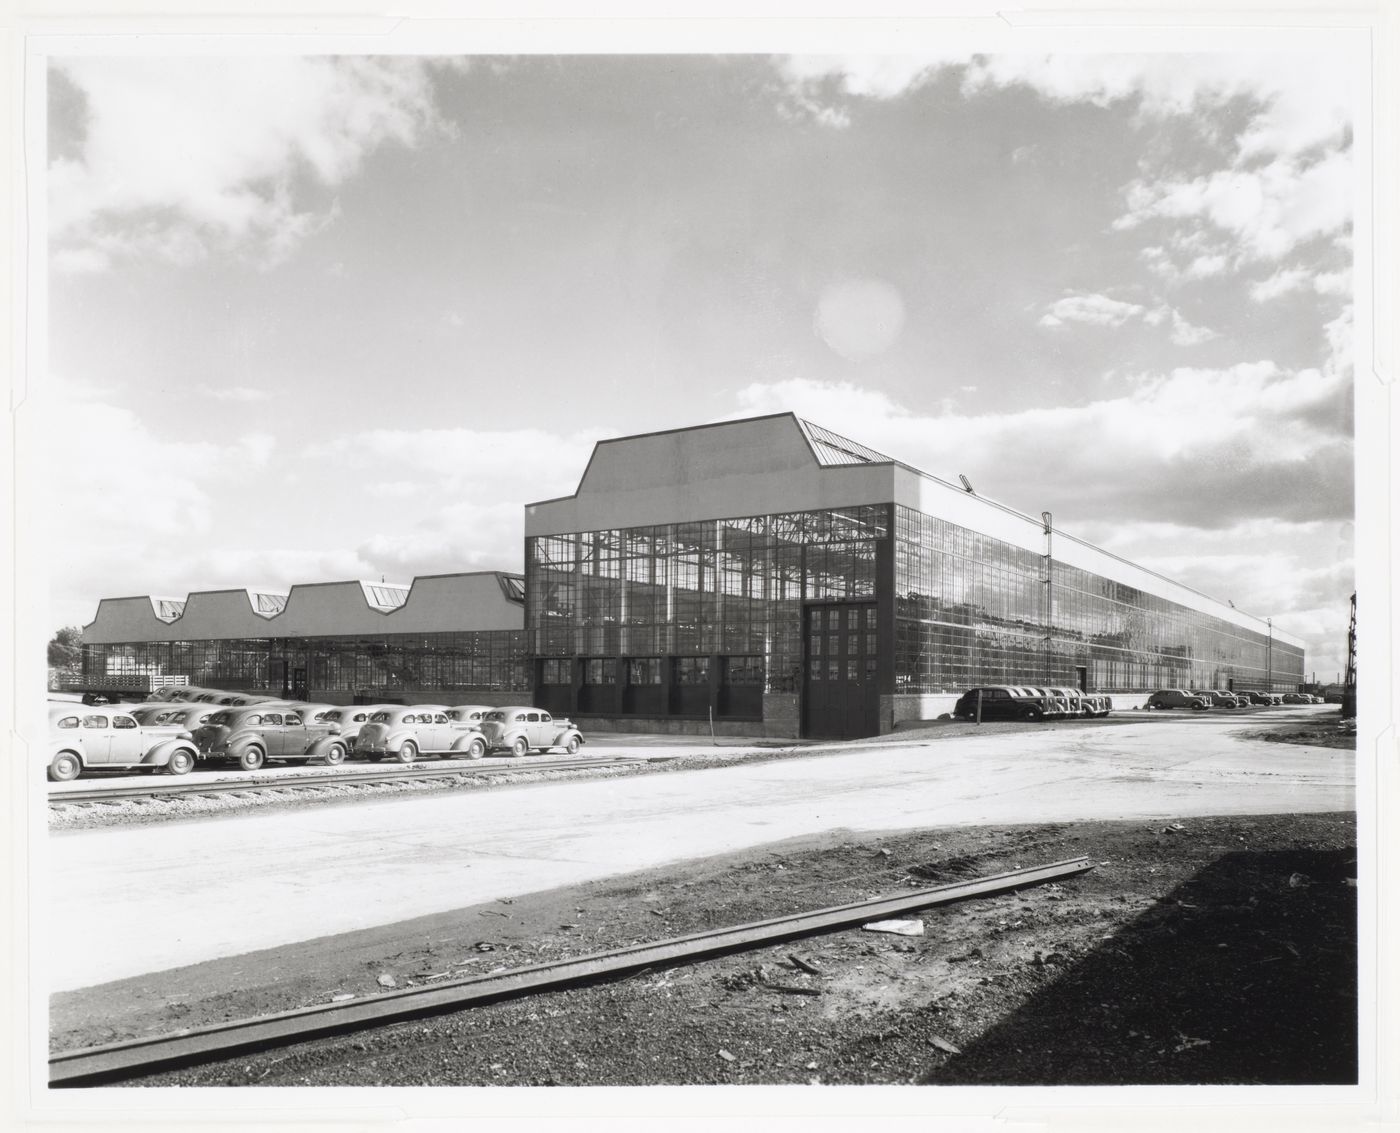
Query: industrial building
x=756, y=577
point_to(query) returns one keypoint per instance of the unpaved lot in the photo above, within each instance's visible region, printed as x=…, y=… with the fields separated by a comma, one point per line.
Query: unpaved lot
x=174, y=893
x=1199, y=950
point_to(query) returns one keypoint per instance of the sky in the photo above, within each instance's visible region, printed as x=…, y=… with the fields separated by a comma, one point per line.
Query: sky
x=330, y=317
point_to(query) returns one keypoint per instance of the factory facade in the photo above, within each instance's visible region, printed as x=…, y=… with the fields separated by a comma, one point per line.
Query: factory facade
x=755, y=577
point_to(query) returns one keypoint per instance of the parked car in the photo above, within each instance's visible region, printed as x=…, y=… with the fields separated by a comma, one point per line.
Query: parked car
x=256, y=733
x=353, y=717
x=1296, y=698
x=406, y=731
x=1056, y=704
x=470, y=713
x=1218, y=698
x=1257, y=698
x=84, y=736
x=147, y=711
x=521, y=729
x=1177, y=698
x=185, y=716
x=1003, y=702
x=1081, y=703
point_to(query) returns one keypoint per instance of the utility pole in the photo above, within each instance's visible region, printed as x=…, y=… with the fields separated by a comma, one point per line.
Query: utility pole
x=1269, y=657
x=1048, y=521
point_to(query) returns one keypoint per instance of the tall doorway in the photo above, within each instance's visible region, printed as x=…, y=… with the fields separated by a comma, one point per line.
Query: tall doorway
x=840, y=698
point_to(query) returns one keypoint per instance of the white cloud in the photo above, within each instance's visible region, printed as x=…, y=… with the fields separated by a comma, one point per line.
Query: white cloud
x=182, y=156
x=1188, y=334
x=1287, y=281
x=1097, y=310
x=1267, y=211
x=455, y=498
x=1100, y=310
x=235, y=393
x=128, y=507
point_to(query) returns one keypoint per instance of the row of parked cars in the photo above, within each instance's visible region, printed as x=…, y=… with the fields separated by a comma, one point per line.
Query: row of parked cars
x=180, y=726
x=1201, y=699
x=1021, y=702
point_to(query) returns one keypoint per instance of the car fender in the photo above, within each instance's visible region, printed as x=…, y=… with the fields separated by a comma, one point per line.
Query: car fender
x=321, y=744
x=462, y=742
x=159, y=754
x=508, y=737
x=75, y=750
x=564, y=735
x=242, y=738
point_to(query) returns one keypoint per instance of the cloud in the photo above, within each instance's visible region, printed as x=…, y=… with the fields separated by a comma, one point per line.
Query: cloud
x=235, y=393
x=1287, y=281
x=1101, y=311
x=181, y=157
x=1097, y=310
x=1197, y=446
x=1266, y=211
x=455, y=499
x=128, y=507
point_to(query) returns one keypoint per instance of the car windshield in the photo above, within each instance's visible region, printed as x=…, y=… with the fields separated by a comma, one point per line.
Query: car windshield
x=219, y=718
x=498, y=717
x=379, y=718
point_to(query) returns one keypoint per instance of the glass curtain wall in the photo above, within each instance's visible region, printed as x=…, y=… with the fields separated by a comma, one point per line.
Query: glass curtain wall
x=684, y=617
x=970, y=609
x=484, y=660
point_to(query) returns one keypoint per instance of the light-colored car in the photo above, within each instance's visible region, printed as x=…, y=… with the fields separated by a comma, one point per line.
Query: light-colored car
x=406, y=731
x=256, y=733
x=353, y=717
x=1177, y=698
x=1056, y=704
x=187, y=717
x=147, y=711
x=82, y=737
x=521, y=729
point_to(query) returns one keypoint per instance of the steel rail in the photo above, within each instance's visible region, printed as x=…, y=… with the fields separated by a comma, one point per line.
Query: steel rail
x=135, y=1057
x=400, y=773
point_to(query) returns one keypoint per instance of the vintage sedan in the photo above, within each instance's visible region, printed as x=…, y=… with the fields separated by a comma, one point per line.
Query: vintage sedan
x=185, y=716
x=521, y=729
x=147, y=711
x=1217, y=697
x=1001, y=702
x=252, y=735
x=353, y=717
x=83, y=737
x=406, y=731
x=1165, y=698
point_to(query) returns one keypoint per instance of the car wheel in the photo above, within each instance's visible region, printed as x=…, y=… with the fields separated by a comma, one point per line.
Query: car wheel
x=520, y=746
x=251, y=758
x=65, y=766
x=573, y=745
x=334, y=754
x=181, y=762
x=1033, y=714
x=476, y=749
x=409, y=752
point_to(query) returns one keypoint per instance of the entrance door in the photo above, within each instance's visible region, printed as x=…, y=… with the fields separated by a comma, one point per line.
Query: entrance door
x=1081, y=677
x=840, y=698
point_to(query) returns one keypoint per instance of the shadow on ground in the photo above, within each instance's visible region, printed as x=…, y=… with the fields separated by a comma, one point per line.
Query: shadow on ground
x=1245, y=974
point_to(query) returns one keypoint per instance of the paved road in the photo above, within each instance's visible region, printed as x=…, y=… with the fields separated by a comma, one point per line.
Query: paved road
x=131, y=900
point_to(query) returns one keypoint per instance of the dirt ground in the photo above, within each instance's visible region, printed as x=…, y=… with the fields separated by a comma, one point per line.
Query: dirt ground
x=1216, y=950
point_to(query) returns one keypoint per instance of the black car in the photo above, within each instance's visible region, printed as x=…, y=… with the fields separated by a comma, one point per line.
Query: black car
x=1001, y=702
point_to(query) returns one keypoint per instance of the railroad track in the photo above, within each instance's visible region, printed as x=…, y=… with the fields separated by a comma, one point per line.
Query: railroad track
x=133, y=1058
x=400, y=773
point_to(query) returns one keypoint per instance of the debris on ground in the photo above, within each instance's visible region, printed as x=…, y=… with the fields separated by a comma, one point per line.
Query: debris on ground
x=898, y=928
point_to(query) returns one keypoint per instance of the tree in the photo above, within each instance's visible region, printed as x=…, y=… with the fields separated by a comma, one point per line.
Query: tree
x=66, y=649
